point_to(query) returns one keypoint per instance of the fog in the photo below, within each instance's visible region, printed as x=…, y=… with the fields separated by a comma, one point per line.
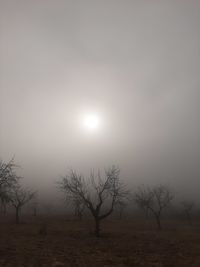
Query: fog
x=134, y=63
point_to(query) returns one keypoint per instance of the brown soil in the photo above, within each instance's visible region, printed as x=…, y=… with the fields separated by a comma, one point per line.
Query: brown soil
x=123, y=243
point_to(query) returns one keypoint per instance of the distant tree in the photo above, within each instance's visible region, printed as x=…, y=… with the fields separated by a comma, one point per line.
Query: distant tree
x=35, y=208
x=98, y=195
x=79, y=207
x=5, y=199
x=187, y=209
x=121, y=206
x=18, y=198
x=143, y=198
x=8, y=176
x=8, y=179
x=34, y=205
x=154, y=199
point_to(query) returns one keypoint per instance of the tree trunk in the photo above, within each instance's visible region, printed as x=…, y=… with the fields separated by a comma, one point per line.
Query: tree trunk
x=158, y=222
x=35, y=212
x=17, y=215
x=4, y=206
x=80, y=216
x=97, y=227
x=188, y=218
x=146, y=213
x=120, y=214
x=4, y=209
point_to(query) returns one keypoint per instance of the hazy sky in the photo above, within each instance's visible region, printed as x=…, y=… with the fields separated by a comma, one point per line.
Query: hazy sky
x=135, y=63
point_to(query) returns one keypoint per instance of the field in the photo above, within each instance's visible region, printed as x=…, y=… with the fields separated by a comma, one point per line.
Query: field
x=123, y=243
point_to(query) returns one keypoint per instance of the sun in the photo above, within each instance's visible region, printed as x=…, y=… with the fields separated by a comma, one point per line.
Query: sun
x=91, y=121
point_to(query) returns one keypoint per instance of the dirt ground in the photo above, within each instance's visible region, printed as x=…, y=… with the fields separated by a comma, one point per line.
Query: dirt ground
x=123, y=243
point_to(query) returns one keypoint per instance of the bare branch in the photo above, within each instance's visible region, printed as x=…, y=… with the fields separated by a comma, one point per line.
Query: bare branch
x=106, y=192
x=155, y=199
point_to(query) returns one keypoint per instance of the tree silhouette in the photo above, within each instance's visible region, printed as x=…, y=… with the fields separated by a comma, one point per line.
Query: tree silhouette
x=187, y=209
x=98, y=195
x=18, y=198
x=154, y=199
x=8, y=179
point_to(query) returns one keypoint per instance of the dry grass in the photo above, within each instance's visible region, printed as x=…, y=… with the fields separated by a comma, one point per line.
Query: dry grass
x=123, y=243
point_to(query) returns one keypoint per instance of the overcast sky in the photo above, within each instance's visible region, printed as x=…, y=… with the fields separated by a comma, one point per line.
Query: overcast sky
x=135, y=63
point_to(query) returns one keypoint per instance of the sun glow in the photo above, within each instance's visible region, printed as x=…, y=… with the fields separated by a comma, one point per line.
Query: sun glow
x=91, y=121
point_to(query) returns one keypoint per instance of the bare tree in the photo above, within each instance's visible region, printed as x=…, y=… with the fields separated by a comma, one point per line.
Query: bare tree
x=79, y=207
x=143, y=199
x=34, y=205
x=8, y=179
x=187, y=209
x=18, y=198
x=98, y=195
x=154, y=199
x=121, y=206
x=5, y=199
x=7, y=173
x=77, y=204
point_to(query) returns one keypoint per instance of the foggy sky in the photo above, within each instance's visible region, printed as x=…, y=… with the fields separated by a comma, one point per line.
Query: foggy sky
x=136, y=63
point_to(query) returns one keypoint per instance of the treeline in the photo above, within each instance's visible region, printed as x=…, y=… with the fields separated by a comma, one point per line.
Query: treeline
x=99, y=194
